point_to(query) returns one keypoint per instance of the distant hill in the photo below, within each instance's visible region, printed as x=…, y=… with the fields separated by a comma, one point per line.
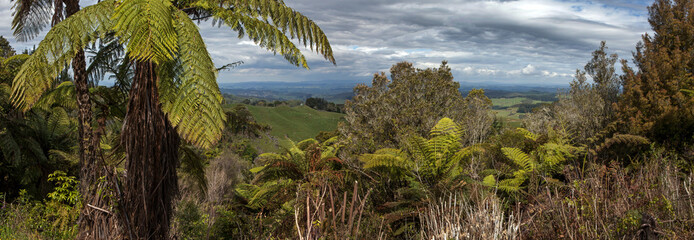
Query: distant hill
x=339, y=91
x=298, y=123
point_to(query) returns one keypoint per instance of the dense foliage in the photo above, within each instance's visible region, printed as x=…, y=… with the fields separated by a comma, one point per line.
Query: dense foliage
x=611, y=158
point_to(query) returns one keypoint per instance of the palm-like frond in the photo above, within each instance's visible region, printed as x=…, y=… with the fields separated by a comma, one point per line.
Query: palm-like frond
x=229, y=66
x=386, y=158
x=63, y=95
x=266, y=22
x=489, y=181
x=527, y=134
x=511, y=185
x=30, y=17
x=105, y=58
x=193, y=165
x=268, y=192
x=193, y=104
x=147, y=27
x=9, y=147
x=554, y=155
x=446, y=126
x=278, y=166
x=520, y=158
x=56, y=51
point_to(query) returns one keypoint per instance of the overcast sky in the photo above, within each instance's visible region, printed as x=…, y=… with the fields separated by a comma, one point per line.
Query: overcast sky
x=524, y=41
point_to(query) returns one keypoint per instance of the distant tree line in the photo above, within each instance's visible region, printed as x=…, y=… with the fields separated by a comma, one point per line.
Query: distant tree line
x=270, y=103
x=324, y=105
x=534, y=94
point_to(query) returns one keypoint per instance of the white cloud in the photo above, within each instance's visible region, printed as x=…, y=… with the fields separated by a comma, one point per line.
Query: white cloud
x=528, y=70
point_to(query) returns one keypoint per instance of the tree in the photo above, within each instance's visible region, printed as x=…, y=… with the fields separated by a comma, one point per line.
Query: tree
x=545, y=160
x=174, y=92
x=6, y=51
x=478, y=117
x=240, y=121
x=652, y=103
x=412, y=101
x=30, y=17
x=421, y=169
x=601, y=69
x=585, y=109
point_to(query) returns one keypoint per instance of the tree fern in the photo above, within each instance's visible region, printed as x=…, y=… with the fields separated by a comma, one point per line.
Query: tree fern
x=56, y=51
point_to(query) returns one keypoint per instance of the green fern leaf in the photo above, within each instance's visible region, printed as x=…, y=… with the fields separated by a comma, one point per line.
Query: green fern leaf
x=56, y=51
x=489, y=181
x=527, y=134
x=520, y=158
x=195, y=105
x=147, y=27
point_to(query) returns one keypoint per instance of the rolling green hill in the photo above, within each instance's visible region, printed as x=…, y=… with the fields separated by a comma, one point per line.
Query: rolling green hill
x=297, y=123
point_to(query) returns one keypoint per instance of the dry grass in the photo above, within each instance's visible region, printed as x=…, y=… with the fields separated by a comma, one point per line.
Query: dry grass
x=481, y=218
x=650, y=201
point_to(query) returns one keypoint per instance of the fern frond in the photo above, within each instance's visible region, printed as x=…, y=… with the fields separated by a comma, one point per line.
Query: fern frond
x=621, y=139
x=229, y=66
x=30, y=17
x=194, y=106
x=527, y=134
x=105, y=58
x=9, y=147
x=511, y=185
x=15, y=62
x=268, y=158
x=304, y=144
x=386, y=158
x=489, y=181
x=252, y=18
x=268, y=192
x=63, y=96
x=446, y=126
x=58, y=117
x=520, y=158
x=246, y=191
x=261, y=33
x=147, y=27
x=69, y=157
x=296, y=24
x=56, y=51
x=419, y=148
x=193, y=165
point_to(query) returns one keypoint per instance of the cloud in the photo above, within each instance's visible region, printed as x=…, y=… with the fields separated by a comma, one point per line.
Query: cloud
x=523, y=41
x=528, y=70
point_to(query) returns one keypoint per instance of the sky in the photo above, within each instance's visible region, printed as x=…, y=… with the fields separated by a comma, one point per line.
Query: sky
x=537, y=42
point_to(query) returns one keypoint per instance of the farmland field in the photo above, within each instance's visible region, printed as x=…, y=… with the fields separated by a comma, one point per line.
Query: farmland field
x=297, y=123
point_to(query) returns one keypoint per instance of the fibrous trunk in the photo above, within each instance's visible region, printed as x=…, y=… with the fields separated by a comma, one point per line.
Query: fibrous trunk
x=151, y=146
x=95, y=221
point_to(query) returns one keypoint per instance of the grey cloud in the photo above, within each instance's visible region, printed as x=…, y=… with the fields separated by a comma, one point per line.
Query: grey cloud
x=482, y=40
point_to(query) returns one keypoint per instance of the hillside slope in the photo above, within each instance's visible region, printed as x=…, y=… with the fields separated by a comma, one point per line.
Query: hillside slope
x=297, y=123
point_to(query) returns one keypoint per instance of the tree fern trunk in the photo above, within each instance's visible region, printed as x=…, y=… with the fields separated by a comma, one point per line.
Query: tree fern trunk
x=151, y=146
x=93, y=223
